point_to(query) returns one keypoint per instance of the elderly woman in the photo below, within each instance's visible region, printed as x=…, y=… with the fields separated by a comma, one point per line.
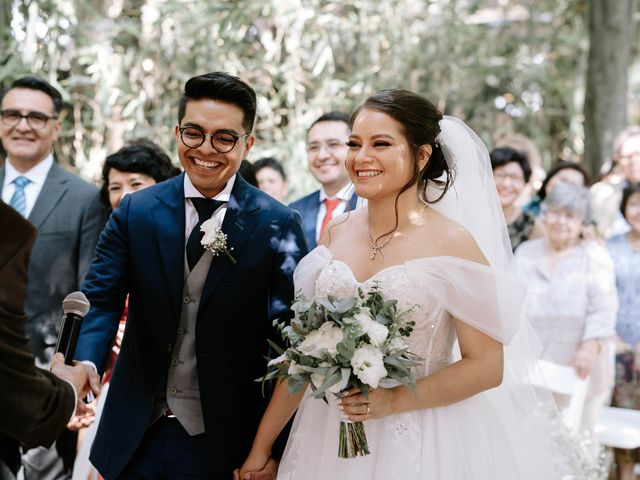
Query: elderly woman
x=511, y=172
x=572, y=299
x=625, y=251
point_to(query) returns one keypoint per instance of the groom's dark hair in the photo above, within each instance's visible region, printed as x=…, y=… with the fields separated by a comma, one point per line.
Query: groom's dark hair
x=224, y=87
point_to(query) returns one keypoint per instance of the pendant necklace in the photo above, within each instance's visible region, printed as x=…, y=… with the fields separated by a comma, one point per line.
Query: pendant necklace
x=375, y=248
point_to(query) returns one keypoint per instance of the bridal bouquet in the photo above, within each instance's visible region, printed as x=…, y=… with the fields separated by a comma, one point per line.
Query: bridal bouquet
x=337, y=344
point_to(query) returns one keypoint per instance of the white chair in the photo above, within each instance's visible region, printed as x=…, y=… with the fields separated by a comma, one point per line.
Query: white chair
x=619, y=428
x=563, y=380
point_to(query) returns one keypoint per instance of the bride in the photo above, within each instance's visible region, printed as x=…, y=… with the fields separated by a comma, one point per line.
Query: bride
x=433, y=238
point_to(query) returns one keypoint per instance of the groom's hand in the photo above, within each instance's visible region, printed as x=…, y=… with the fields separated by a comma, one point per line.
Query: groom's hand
x=269, y=472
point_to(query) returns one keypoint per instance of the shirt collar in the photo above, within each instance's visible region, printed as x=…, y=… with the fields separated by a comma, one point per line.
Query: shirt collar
x=190, y=191
x=37, y=174
x=343, y=194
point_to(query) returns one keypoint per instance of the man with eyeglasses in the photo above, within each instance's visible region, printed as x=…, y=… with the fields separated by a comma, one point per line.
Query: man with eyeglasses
x=326, y=155
x=182, y=401
x=67, y=212
x=607, y=193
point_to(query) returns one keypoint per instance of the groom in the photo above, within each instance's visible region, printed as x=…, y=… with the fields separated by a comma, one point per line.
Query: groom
x=183, y=402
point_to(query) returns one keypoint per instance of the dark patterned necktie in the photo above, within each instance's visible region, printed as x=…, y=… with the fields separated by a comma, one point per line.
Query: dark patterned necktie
x=205, y=208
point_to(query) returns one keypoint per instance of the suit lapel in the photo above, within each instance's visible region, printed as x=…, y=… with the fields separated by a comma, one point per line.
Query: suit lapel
x=55, y=186
x=169, y=224
x=239, y=222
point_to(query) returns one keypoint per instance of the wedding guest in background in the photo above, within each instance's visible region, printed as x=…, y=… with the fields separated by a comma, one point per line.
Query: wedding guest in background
x=271, y=178
x=625, y=251
x=67, y=212
x=134, y=167
x=607, y=193
x=36, y=404
x=572, y=299
x=511, y=172
x=326, y=155
x=561, y=172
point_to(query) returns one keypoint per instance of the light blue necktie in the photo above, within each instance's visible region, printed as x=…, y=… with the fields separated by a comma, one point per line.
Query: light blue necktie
x=19, y=199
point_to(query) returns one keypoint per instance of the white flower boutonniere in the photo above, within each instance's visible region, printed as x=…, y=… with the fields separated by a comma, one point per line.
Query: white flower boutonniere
x=215, y=240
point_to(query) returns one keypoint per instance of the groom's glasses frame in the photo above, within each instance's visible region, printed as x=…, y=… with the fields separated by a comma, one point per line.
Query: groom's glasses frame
x=222, y=141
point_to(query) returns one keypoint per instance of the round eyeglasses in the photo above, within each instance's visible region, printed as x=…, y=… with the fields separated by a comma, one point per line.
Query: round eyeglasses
x=35, y=120
x=222, y=141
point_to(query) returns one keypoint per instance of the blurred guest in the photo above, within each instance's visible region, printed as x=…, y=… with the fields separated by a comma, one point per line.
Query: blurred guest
x=625, y=251
x=572, y=300
x=271, y=178
x=561, y=172
x=67, y=213
x=35, y=404
x=326, y=155
x=608, y=192
x=134, y=167
x=511, y=172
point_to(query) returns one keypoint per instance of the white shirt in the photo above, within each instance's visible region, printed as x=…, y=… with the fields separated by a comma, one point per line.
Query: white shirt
x=190, y=212
x=37, y=176
x=343, y=194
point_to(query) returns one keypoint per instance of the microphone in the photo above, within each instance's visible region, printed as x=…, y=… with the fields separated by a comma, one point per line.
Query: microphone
x=75, y=306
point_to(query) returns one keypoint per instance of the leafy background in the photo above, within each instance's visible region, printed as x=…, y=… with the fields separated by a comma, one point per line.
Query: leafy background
x=514, y=70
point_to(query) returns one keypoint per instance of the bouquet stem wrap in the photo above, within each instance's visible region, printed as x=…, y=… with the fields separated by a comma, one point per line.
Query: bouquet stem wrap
x=353, y=440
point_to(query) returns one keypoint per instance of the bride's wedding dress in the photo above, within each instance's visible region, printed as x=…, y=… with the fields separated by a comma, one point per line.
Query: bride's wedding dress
x=495, y=435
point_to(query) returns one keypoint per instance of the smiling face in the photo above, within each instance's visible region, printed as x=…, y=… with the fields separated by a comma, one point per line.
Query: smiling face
x=510, y=182
x=563, y=226
x=379, y=160
x=326, y=152
x=25, y=146
x=124, y=183
x=630, y=159
x=209, y=170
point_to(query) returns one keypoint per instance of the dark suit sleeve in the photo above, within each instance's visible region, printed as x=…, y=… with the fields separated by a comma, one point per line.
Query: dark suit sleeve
x=35, y=404
x=106, y=287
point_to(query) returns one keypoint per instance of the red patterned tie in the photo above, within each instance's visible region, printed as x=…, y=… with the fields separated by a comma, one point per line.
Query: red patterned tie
x=330, y=204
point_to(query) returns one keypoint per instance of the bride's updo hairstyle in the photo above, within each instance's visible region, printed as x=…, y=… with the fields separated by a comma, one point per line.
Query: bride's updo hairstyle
x=419, y=119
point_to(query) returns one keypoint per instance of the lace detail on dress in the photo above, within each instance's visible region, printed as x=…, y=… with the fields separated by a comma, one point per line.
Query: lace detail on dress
x=433, y=335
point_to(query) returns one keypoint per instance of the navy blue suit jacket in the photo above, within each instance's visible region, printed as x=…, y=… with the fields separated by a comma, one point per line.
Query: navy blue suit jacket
x=141, y=253
x=308, y=207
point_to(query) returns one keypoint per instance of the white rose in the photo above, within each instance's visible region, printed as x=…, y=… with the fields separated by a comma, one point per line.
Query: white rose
x=376, y=331
x=325, y=339
x=210, y=229
x=368, y=366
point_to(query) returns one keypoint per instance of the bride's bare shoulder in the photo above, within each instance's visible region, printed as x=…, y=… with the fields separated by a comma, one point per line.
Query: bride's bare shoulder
x=452, y=239
x=341, y=225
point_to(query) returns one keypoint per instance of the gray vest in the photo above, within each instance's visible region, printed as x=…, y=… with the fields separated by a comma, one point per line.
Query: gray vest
x=183, y=389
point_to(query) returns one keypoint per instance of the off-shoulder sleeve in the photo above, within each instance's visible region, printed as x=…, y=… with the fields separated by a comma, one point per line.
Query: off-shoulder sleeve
x=307, y=271
x=485, y=298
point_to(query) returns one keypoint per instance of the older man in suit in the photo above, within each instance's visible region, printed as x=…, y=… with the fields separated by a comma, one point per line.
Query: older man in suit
x=35, y=404
x=68, y=215
x=326, y=155
x=183, y=401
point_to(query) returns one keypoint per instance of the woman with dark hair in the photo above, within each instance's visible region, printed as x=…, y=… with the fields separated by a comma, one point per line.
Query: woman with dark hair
x=511, y=172
x=431, y=238
x=561, y=172
x=625, y=251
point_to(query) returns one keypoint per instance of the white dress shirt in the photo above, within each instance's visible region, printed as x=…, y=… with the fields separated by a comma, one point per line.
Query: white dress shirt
x=343, y=194
x=190, y=212
x=37, y=176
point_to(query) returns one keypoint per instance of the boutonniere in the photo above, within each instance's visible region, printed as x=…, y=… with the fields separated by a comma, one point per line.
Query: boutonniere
x=215, y=240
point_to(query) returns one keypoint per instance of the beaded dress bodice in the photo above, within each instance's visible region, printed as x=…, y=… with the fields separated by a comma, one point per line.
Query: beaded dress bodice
x=433, y=334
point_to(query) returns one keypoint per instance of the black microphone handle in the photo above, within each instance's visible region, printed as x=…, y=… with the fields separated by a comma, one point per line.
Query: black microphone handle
x=68, y=338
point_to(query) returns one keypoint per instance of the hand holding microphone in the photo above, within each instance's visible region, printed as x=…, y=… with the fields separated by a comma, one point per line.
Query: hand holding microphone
x=75, y=306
